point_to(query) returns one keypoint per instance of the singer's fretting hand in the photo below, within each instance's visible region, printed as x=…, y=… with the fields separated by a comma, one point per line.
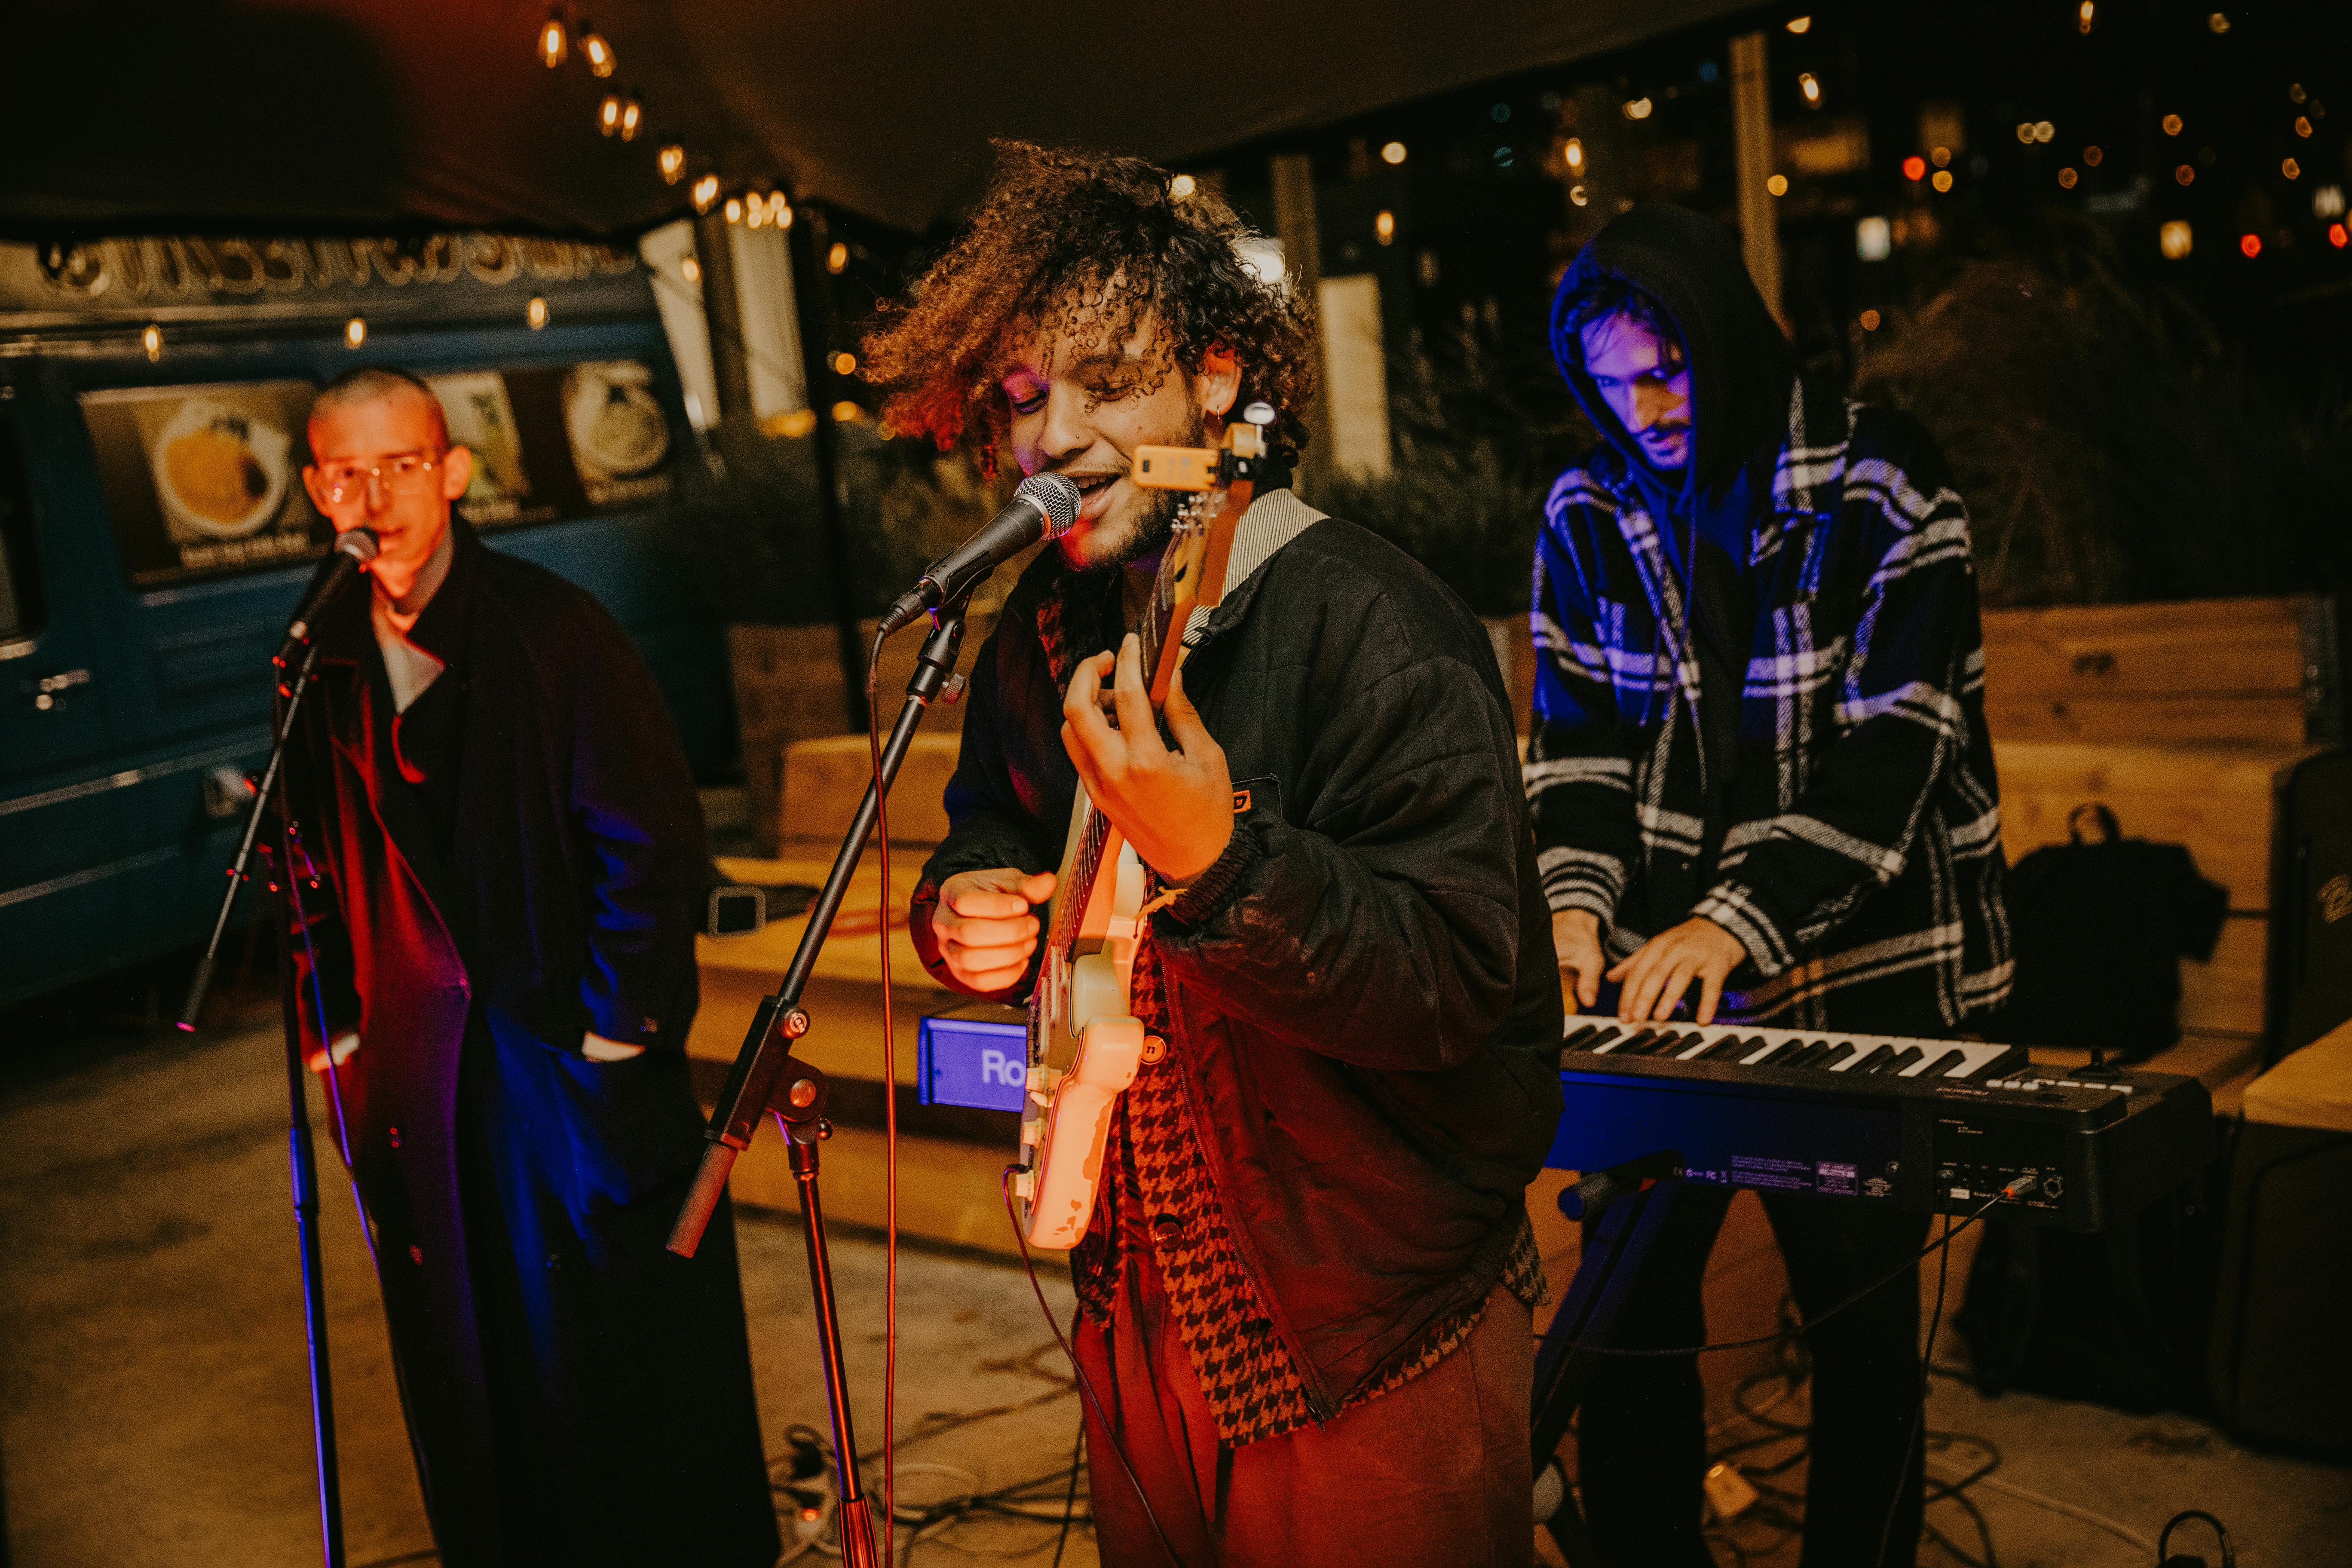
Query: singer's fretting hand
x=1175, y=806
x=984, y=929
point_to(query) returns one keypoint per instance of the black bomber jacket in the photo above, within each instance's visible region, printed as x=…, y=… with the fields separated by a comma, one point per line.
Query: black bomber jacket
x=1363, y=992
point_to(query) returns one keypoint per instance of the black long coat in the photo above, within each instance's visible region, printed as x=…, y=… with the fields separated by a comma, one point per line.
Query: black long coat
x=574, y=1393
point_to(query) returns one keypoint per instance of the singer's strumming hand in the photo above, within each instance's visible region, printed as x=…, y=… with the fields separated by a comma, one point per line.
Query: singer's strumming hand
x=984, y=927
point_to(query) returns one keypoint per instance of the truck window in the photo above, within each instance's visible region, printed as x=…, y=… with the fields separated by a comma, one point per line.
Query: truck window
x=207, y=482
x=20, y=606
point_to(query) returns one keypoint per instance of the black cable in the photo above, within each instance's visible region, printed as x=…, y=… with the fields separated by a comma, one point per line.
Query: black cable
x=1919, y=1418
x=1086, y=1385
x=1070, y=1503
x=1939, y=1245
x=889, y=1122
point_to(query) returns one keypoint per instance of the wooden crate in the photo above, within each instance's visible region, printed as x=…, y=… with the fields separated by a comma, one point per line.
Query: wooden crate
x=823, y=783
x=2258, y=670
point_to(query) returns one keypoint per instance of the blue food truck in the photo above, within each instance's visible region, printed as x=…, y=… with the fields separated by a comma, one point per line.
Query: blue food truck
x=154, y=533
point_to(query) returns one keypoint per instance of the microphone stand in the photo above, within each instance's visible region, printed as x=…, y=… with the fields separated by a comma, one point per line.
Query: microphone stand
x=767, y=1078
x=302, y=1158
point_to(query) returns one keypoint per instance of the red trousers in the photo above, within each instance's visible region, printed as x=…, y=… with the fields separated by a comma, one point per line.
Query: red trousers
x=1434, y=1474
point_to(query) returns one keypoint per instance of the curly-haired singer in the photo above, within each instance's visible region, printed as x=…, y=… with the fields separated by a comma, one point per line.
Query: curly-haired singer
x=1306, y=1289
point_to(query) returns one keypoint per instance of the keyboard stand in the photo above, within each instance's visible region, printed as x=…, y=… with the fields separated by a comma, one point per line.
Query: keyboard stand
x=1633, y=1200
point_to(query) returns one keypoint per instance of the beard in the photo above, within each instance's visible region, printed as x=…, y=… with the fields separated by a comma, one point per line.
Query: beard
x=1151, y=525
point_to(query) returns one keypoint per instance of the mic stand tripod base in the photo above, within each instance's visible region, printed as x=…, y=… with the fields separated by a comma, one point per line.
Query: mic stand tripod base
x=801, y=1119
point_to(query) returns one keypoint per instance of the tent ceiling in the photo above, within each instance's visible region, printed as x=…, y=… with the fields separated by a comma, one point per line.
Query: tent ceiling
x=341, y=115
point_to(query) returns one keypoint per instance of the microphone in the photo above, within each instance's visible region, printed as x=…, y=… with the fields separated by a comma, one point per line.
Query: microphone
x=353, y=550
x=1043, y=508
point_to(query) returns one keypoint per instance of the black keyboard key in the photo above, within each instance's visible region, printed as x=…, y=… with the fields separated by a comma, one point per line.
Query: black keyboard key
x=1601, y=1041
x=1877, y=1058
x=1942, y=1062
x=1779, y=1055
x=1903, y=1058
x=1837, y=1051
x=1806, y=1059
x=1727, y=1047
x=1576, y=1041
x=1635, y=1043
x=1669, y=1043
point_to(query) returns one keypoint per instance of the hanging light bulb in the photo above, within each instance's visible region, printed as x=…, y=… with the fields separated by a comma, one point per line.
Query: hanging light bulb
x=632, y=115
x=705, y=191
x=355, y=332
x=672, y=160
x=734, y=210
x=536, y=312
x=151, y=340
x=1810, y=86
x=599, y=52
x=553, y=46
x=608, y=113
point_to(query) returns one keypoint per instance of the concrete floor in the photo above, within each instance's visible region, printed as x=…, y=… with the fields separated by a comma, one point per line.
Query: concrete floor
x=153, y=1404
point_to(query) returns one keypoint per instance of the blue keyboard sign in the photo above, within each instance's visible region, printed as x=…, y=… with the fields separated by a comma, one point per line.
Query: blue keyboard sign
x=979, y=1063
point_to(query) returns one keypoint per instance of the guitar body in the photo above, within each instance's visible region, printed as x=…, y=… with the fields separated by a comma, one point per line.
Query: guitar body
x=1084, y=1045
x=1085, y=1042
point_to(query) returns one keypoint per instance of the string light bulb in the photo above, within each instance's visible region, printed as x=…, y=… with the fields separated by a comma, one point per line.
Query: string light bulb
x=354, y=331
x=1778, y=185
x=632, y=115
x=836, y=258
x=1801, y=25
x=734, y=210
x=690, y=268
x=608, y=113
x=2175, y=239
x=755, y=211
x=1941, y=180
x=1392, y=153
x=1573, y=153
x=151, y=340
x=553, y=45
x=536, y=313
x=672, y=160
x=598, y=53
x=1810, y=86
x=2083, y=15
x=1183, y=185
x=780, y=211
x=844, y=364
x=1638, y=108
x=1384, y=228
x=704, y=192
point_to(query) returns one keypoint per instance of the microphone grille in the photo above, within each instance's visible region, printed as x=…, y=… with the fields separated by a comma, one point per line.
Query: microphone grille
x=1054, y=496
x=360, y=544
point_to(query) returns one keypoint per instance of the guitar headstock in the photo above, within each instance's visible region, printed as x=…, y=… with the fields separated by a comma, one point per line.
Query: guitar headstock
x=1222, y=480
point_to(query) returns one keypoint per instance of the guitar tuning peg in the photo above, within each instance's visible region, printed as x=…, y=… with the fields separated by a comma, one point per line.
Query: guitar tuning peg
x=1259, y=414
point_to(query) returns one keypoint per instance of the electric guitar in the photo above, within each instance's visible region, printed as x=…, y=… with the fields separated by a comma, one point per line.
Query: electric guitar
x=1085, y=1043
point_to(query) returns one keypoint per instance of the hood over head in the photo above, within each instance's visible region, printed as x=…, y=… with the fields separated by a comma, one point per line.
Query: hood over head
x=1742, y=367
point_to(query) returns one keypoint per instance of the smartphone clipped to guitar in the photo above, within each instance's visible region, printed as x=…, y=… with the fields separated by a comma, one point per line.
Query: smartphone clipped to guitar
x=1085, y=1043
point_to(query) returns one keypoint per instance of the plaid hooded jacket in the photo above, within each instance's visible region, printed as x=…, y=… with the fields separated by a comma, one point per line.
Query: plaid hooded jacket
x=1860, y=862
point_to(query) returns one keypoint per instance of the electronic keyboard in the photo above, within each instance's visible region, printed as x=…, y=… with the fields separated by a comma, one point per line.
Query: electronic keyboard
x=1928, y=1126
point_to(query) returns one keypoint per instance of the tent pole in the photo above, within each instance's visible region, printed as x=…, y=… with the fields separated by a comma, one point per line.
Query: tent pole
x=1752, y=155
x=1294, y=223
x=813, y=300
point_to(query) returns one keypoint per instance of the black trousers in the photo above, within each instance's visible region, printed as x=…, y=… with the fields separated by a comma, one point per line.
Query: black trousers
x=1641, y=1431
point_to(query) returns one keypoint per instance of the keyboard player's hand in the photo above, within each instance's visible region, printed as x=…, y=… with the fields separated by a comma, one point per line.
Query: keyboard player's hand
x=1576, y=933
x=1662, y=968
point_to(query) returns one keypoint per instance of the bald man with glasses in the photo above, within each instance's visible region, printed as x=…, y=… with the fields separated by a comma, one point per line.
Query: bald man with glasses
x=498, y=975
